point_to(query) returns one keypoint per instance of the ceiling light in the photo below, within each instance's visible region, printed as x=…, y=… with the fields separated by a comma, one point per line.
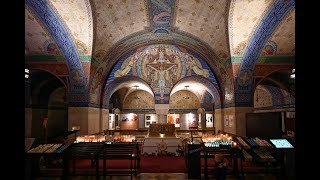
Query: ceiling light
x=186, y=97
x=136, y=94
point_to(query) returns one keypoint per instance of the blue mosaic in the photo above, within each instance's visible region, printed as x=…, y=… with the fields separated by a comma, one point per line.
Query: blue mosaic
x=64, y=40
x=277, y=96
x=118, y=66
x=139, y=65
x=160, y=14
x=211, y=77
x=263, y=32
x=183, y=39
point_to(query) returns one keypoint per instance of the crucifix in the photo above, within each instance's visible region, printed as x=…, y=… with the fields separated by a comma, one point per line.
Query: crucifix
x=161, y=70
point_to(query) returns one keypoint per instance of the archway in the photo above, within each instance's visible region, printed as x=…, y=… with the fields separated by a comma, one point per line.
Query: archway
x=49, y=103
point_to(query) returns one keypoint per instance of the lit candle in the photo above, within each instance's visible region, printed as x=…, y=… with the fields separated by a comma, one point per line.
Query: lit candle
x=234, y=144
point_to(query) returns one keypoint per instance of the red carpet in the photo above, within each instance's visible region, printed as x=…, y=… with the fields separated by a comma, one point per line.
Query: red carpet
x=111, y=164
x=163, y=164
x=148, y=164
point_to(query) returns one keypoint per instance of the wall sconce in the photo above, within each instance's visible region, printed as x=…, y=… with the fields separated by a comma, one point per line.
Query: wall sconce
x=161, y=135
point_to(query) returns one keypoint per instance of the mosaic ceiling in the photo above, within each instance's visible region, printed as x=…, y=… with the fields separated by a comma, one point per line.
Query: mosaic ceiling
x=116, y=20
x=76, y=15
x=37, y=38
x=206, y=20
x=244, y=16
x=284, y=36
x=98, y=27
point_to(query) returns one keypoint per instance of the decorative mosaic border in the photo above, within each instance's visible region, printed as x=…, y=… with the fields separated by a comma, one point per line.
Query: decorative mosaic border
x=257, y=41
x=64, y=40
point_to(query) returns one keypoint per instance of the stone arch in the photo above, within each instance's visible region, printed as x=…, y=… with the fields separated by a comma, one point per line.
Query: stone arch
x=59, y=32
x=257, y=41
x=125, y=81
x=204, y=83
x=191, y=44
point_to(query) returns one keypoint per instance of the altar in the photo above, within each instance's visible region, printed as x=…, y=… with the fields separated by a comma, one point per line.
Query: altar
x=161, y=146
x=161, y=140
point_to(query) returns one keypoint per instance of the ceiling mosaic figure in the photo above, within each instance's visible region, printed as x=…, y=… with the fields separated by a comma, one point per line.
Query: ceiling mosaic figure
x=162, y=66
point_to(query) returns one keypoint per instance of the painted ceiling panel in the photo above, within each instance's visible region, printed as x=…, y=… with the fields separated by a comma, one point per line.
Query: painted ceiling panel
x=206, y=20
x=244, y=17
x=37, y=39
x=284, y=35
x=116, y=20
x=76, y=15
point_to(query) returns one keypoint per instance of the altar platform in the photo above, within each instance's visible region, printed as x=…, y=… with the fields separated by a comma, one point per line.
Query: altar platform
x=161, y=146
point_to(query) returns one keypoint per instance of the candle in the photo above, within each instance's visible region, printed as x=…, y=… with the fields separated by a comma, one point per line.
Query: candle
x=234, y=144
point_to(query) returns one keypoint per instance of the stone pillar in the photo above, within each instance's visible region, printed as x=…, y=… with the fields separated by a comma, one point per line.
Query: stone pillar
x=218, y=120
x=162, y=111
x=87, y=118
x=229, y=120
x=241, y=119
x=232, y=119
x=104, y=122
x=203, y=117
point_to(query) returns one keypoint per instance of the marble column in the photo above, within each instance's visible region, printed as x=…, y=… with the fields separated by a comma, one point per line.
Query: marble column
x=88, y=118
x=162, y=111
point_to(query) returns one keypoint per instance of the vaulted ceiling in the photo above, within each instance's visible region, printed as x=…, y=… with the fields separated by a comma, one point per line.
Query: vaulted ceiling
x=97, y=25
x=224, y=27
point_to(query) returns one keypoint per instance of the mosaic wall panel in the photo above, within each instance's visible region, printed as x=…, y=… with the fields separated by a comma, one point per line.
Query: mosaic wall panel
x=161, y=66
x=145, y=101
x=262, y=98
x=184, y=100
x=277, y=97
